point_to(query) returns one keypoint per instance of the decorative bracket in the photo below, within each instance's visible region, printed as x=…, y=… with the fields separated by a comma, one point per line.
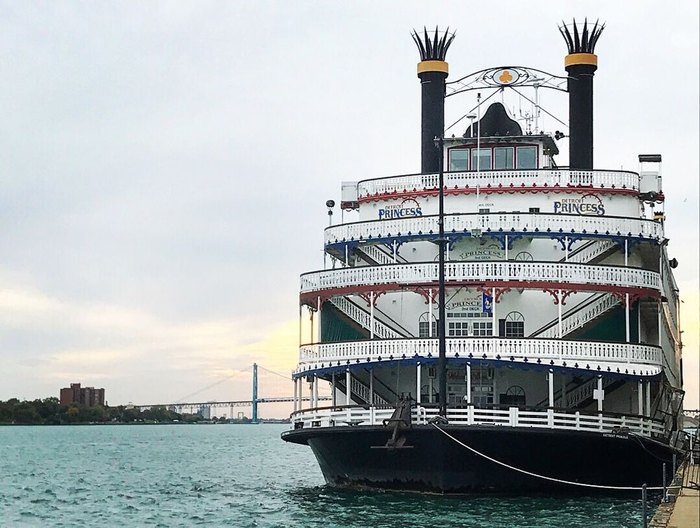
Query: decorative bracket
x=555, y=295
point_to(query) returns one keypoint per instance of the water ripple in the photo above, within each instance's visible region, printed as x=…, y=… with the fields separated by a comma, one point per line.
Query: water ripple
x=241, y=476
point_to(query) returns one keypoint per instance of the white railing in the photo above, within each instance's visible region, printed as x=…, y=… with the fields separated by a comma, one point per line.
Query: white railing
x=376, y=254
x=501, y=178
x=362, y=318
x=581, y=393
x=591, y=251
x=641, y=358
x=362, y=390
x=470, y=415
x=578, y=317
x=520, y=222
x=424, y=272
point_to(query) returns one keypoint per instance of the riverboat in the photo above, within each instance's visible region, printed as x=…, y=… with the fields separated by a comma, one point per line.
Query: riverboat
x=496, y=322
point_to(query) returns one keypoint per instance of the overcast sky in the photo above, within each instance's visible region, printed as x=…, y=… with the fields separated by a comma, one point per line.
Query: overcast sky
x=164, y=166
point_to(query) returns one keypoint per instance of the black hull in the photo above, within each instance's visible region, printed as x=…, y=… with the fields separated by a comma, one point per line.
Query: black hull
x=429, y=461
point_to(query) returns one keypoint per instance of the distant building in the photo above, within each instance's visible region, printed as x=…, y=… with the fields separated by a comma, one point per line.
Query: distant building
x=89, y=396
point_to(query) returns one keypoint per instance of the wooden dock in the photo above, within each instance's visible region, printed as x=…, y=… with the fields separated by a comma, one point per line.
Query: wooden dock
x=684, y=511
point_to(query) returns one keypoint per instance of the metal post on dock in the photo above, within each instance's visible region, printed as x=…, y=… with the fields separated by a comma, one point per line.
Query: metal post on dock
x=663, y=480
x=644, y=506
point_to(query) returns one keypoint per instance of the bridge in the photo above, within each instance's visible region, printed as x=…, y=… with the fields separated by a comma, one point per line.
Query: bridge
x=193, y=407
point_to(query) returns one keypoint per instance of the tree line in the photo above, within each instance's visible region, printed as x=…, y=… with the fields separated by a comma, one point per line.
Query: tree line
x=49, y=411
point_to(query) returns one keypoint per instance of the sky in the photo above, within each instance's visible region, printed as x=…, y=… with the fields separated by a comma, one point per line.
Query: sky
x=164, y=167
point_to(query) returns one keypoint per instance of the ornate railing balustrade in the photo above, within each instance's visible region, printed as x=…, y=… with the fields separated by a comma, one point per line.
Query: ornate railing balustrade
x=352, y=416
x=558, y=273
x=500, y=179
x=540, y=224
x=594, y=356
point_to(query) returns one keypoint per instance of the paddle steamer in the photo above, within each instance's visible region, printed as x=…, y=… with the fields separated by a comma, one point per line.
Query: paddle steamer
x=495, y=300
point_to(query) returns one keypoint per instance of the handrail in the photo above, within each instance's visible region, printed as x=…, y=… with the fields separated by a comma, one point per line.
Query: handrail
x=350, y=416
x=361, y=317
x=480, y=271
x=417, y=226
x=578, y=316
x=625, y=180
x=629, y=357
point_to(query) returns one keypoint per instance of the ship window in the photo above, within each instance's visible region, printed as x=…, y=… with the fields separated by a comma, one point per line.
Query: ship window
x=527, y=158
x=482, y=328
x=514, y=325
x=503, y=158
x=459, y=159
x=481, y=158
x=458, y=329
x=534, y=209
x=424, y=329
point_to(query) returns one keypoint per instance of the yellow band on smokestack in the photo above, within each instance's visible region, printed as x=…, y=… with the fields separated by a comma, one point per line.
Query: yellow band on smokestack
x=432, y=66
x=581, y=58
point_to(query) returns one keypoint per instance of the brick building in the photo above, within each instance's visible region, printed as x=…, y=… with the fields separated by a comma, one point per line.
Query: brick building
x=89, y=396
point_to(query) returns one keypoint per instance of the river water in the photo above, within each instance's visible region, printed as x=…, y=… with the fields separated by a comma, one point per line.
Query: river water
x=234, y=475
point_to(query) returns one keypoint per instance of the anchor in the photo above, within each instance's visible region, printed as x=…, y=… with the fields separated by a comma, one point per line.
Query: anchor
x=400, y=419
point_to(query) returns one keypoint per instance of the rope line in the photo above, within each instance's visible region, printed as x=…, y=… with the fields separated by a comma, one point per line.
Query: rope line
x=544, y=477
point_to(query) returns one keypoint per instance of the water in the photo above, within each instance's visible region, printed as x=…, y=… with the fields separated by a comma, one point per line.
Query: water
x=234, y=475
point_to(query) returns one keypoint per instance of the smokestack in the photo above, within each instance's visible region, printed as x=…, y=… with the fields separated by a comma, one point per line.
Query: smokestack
x=581, y=65
x=432, y=72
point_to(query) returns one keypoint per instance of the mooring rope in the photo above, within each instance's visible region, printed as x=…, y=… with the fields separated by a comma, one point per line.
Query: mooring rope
x=544, y=477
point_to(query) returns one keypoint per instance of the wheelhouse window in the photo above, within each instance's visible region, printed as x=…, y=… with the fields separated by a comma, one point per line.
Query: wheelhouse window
x=481, y=159
x=527, y=157
x=503, y=158
x=459, y=159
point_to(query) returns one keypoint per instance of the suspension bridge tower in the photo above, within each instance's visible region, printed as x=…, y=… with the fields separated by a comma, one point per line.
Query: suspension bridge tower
x=254, y=399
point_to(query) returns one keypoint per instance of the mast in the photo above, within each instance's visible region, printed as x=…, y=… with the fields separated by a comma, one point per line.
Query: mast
x=442, y=345
x=432, y=72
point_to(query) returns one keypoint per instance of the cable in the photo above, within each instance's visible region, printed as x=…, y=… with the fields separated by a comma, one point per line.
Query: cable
x=544, y=477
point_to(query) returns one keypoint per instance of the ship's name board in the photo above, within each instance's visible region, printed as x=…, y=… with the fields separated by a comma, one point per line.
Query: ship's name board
x=477, y=302
x=491, y=252
x=586, y=205
x=405, y=209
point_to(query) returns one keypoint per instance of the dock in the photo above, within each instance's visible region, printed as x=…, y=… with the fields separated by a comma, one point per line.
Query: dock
x=683, y=508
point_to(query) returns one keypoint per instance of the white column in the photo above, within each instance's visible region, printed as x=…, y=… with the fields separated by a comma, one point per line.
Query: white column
x=311, y=321
x=469, y=383
x=295, y=396
x=300, y=321
x=333, y=397
x=418, y=382
x=506, y=248
x=346, y=255
x=347, y=387
x=627, y=317
x=494, y=321
x=394, y=250
x=640, y=398
x=315, y=394
x=430, y=312
x=566, y=249
x=559, y=330
x=371, y=315
x=301, y=393
x=550, y=376
x=601, y=394
x=318, y=319
x=647, y=410
x=371, y=387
